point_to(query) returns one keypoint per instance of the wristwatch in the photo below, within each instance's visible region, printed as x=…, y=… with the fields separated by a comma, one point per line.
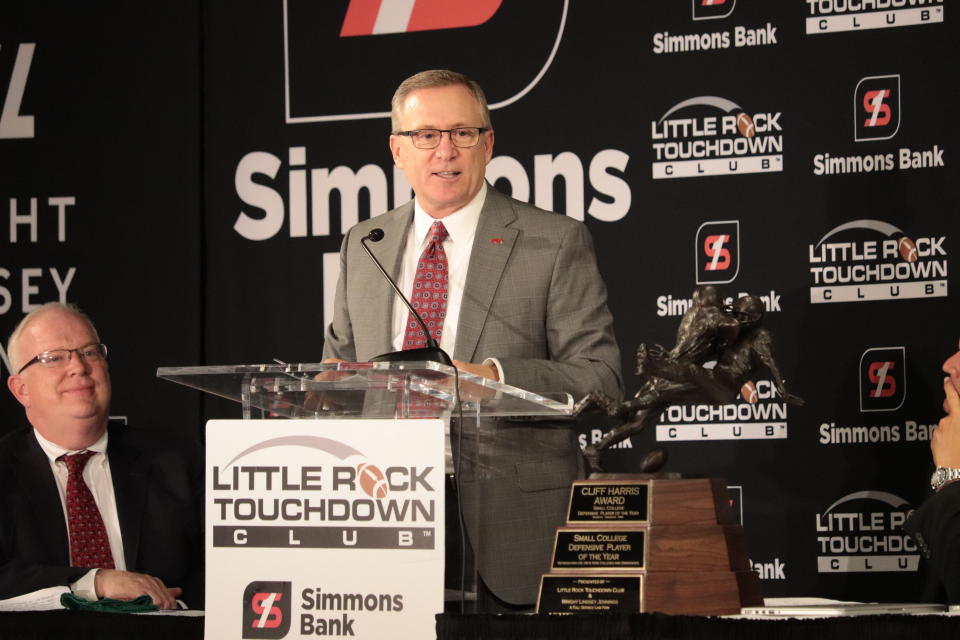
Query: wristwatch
x=942, y=476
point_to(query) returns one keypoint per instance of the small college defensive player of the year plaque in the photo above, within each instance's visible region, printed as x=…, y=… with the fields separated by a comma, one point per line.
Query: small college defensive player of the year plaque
x=614, y=500
x=590, y=594
x=605, y=549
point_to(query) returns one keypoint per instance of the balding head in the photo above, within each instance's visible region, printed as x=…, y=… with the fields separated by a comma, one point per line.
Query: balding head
x=66, y=400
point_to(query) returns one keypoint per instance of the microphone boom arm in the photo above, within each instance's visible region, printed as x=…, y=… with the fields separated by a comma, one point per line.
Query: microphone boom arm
x=432, y=351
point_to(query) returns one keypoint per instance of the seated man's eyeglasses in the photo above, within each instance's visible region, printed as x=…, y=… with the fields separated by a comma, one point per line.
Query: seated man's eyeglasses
x=60, y=357
x=430, y=138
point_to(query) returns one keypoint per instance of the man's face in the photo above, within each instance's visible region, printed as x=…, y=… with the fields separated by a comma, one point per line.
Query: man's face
x=68, y=403
x=447, y=177
x=952, y=368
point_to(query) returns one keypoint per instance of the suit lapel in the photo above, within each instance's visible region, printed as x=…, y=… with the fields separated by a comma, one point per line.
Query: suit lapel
x=389, y=252
x=36, y=481
x=492, y=247
x=129, y=474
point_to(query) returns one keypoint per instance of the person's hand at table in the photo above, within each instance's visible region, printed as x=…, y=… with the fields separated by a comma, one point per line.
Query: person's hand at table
x=127, y=585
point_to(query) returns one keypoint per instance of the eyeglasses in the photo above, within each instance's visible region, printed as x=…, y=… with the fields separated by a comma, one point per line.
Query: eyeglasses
x=430, y=138
x=59, y=357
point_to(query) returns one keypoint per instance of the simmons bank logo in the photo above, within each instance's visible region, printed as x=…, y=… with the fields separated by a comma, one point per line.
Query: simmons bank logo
x=876, y=108
x=350, y=503
x=717, y=261
x=266, y=609
x=328, y=45
x=862, y=532
x=883, y=380
x=883, y=388
x=867, y=260
x=876, y=117
x=739, y=36
x=831, y=16
x=718, y=252
x=712, y=9
x=759, y=414
x=714, y=136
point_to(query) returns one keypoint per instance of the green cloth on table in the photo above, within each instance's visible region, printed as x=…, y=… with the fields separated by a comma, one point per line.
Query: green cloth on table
x=137, y=605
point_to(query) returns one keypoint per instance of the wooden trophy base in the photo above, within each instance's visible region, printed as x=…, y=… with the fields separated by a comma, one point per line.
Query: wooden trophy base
x=640, y=543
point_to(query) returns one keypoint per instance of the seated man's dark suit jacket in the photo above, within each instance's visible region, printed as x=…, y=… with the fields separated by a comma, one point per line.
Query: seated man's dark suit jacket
x=158, y=491
x=935, y=525
x=533, y=299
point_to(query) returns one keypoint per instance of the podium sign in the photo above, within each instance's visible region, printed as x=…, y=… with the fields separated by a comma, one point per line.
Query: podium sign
x=324, y=527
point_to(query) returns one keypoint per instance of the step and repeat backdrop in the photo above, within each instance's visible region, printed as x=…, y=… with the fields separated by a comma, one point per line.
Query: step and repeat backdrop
x=186, y=172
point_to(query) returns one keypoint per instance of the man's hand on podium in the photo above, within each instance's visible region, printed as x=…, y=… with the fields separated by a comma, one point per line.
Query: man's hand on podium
x=483, y=370
x=319, y=402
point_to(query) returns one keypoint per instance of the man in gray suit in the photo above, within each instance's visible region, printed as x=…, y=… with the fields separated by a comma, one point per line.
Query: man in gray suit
x=523, y=303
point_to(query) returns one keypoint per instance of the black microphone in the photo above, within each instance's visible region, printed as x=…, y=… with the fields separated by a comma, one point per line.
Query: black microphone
x=430, y=353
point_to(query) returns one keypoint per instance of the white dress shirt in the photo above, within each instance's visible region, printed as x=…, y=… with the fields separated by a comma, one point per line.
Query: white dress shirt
x=458, y=245
x=96, y=474
x=461, y=226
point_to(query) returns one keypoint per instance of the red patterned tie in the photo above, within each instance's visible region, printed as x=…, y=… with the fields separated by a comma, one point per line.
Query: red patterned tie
x=429, y=291
x=89, y=545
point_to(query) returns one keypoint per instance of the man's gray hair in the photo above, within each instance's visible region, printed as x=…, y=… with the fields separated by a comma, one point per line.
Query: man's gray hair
x=432, y=79
x=16, y=360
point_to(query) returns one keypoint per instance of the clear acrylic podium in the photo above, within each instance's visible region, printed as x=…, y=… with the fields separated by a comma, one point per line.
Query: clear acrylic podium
x=394, y=390
x=365, y=390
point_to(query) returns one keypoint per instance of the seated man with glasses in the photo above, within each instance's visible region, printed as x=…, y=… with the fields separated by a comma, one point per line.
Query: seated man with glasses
x=109, y=512
x=512, y=292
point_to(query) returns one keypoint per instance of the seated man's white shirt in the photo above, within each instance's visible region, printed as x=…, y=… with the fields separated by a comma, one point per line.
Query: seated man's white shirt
x=96, y=474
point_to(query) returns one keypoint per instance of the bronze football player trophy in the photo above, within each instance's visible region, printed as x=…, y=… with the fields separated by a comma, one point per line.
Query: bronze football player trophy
x=731, y=336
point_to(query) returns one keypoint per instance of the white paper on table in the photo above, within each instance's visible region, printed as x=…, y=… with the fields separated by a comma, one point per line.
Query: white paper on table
x=40, y=600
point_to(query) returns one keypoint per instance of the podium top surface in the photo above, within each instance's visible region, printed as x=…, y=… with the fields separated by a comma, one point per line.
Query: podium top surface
x=366, y=390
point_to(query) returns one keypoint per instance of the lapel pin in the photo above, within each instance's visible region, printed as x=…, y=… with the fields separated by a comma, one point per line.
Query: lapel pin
x=496, y=240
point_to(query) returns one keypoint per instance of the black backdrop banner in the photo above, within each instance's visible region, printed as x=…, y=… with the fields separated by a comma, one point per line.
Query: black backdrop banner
x=100, y=188
x=194, y=170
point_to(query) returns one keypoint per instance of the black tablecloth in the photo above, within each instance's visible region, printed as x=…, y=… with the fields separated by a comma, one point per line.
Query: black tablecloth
x=660, y=626
x=86, y=625
x=81, y=625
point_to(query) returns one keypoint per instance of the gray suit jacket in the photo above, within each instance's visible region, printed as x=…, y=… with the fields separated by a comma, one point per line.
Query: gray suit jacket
x=534, y=299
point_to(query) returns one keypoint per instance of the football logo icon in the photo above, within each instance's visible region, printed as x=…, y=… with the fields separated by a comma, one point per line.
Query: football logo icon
x=372, y=480
x=749, y=392
x=908, y=249
x=745, y=125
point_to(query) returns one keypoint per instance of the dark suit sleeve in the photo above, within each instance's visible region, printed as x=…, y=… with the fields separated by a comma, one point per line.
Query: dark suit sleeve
x=338, y=341
x=33, y=533
x=18, y=578
x=583, y=355
x=935, y=526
